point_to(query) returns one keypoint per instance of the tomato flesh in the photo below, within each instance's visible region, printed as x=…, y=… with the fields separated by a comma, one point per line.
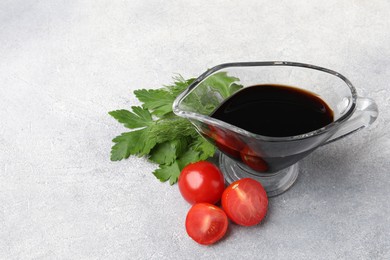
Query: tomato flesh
x=206, y=223
x=201, y=182
x=245, y=202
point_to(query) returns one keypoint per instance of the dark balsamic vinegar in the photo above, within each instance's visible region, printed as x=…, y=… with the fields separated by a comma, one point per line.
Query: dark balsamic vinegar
x=275, y=111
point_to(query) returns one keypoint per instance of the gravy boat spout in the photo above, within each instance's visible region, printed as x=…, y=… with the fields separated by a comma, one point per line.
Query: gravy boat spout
x=272, y=160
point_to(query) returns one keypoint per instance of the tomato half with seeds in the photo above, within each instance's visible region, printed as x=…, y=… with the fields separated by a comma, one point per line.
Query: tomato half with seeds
x=253, y=159
x=245, y=202
x=206, y=223
x=201, y=182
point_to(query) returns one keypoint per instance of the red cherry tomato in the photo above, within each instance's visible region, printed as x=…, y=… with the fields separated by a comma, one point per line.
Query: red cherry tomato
x=206, y=223
x=245, y=202
x=253, y=160
x=225, y=146
x=201, y=182
x=226, y=142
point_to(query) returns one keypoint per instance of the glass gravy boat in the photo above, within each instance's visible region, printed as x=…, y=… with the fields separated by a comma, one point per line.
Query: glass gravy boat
x=273, y=160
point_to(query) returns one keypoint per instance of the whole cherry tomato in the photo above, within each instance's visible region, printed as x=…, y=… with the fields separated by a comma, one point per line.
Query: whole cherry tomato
x=201, y=182
x=253, y=160
x=206, y=223
x=245, y=202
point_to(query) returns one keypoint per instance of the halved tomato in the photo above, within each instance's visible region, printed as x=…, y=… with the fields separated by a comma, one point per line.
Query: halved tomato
x=206, y=223
x=245, y=202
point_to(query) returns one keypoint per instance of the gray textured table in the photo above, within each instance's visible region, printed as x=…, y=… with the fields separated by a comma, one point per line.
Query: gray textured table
x=65, y=64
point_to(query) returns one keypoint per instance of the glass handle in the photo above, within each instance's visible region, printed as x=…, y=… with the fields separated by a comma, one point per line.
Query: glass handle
x=365, y=114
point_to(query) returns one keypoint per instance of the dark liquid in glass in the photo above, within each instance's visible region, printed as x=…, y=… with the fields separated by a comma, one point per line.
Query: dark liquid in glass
x=275, y=110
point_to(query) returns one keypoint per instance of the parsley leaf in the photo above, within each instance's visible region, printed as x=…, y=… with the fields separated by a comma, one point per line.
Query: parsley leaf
x=125, y=145
x=137, y=142
x=204, y=147
x=159, y=101
x=167, y=152
x=179, y=85
x=189, y=156
x=138, y=118
x=168, y=172
x=222, y=83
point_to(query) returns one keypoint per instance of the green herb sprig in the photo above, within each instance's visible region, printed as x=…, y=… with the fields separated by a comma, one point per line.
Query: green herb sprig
x=164, y=138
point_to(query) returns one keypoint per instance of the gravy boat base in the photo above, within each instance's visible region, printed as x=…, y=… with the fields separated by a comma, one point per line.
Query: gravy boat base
x=274, y=183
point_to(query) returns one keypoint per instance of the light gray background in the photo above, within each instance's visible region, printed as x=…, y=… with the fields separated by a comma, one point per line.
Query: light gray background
x=65, y=64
